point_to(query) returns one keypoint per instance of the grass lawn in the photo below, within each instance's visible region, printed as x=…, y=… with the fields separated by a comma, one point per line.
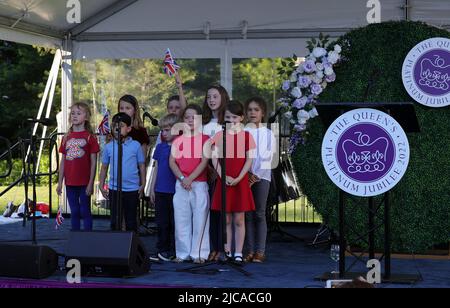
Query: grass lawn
x=298, y=211
x=17, y=195
x=293, y=211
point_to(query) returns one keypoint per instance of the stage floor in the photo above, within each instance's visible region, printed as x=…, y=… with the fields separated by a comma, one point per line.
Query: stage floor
x=290, y=263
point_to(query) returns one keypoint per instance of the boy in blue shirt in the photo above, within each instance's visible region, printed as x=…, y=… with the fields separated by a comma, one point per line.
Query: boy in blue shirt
x=133, y=173
x=163, y=190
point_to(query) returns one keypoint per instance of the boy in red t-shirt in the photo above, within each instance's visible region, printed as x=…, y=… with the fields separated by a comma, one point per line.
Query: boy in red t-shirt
x=78, y=166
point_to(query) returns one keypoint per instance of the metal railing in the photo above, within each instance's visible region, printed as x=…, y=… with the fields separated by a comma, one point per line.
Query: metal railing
x=294, y=211
x=27, y=158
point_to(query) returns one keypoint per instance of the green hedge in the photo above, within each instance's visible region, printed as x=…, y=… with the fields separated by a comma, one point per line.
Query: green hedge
x=421, y=201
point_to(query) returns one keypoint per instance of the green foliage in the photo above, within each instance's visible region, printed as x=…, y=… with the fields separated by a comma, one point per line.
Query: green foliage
x=17, y=166
x=421, y=201
x=146, y=80
x=23, y=73
x=257, y=77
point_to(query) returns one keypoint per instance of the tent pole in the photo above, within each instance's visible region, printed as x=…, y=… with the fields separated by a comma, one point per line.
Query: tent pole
x=54, y=79
x=226, y=70
x=66, y=81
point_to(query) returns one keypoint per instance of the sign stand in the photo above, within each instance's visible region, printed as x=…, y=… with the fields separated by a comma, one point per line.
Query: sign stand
x=404, y=114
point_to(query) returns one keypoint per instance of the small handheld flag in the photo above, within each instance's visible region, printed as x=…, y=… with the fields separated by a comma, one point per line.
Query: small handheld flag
x=103, y=128
x=59, y=219
x=170, y=66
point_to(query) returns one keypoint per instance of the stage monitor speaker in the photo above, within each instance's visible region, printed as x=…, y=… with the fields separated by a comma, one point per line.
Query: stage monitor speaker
x=27, y=261
x=118, y=254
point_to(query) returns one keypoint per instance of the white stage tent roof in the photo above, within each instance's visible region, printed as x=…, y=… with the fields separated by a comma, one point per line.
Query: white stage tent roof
x=198, y=28
x=223, y=29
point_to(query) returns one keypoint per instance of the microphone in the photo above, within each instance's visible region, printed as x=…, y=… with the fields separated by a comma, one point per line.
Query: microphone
x=45, y=121
x=273, y=118
x=225, y=124
x=152, y=119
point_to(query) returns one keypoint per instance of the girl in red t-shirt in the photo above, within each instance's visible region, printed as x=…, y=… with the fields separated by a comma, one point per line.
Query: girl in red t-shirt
x=239, y=198
x=79, y=150
x=188, y=163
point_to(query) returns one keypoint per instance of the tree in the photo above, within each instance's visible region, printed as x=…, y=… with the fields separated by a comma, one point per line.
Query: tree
x=23, y=73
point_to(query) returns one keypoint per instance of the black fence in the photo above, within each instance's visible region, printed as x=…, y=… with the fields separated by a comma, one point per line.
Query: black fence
x=16, y=170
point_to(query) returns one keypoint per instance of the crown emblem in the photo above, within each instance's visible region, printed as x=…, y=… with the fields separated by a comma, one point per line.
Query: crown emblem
x=364, y=155
x=435, y=74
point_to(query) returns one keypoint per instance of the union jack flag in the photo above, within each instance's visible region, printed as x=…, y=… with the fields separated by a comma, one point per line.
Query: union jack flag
x=59, y=219
x=103, y=128
x=170, y=66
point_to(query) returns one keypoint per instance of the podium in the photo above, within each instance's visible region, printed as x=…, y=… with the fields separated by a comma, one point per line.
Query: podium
x=405, y=115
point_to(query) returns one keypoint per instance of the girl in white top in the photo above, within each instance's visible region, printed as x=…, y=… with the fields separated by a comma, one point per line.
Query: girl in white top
x=214, y=106
x=260, y=177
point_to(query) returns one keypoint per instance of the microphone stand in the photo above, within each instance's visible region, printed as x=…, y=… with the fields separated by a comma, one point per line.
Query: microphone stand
x=33, y=185
x=29, y=164
x=118, y=205
x=222, y=223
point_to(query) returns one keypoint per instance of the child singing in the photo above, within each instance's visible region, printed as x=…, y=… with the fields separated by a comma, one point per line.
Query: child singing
x=79, y=150
x=238, y=160
x=191, y=200
x=133, y=173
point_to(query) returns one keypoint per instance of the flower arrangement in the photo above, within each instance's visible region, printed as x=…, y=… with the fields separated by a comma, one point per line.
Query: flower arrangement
x=307, y=80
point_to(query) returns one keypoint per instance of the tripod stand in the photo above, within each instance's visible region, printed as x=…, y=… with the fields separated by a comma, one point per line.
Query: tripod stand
x=29, y=164
x=222, y=225
x=324, y=236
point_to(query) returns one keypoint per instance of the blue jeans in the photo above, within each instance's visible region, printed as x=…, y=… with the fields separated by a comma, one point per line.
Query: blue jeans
x=255, y=222
x=80, y=207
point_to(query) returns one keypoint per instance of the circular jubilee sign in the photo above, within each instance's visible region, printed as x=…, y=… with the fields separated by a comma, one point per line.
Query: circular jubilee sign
x=365, y=152
x=426, y=72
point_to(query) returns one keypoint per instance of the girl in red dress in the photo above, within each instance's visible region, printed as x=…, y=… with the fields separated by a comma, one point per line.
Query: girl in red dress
x=239, y=198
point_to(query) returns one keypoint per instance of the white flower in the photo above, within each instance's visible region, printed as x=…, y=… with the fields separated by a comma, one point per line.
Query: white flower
x=329, y=71
x=316, y=89
x=319, y=66
x=288, y=115
x=296, y=92
x=303, y=82
x=319, y=75
x=293, y=77
x=337, y=48
x=313, y=113
x=303, y=116
x=315, y=79
x=324, y=85
x=309, y=66
x=319, y=52
x=333, y=57
x=300, y=69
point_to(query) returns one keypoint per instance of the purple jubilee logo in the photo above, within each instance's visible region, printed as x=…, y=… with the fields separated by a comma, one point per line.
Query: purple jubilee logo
x=365, y=152
x=426, y=72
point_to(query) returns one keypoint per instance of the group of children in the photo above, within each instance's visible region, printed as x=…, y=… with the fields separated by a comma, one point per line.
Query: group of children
x=186, y=188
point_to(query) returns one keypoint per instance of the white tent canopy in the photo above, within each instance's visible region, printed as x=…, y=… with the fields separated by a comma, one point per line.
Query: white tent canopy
x=195, y=28
x=198, y=28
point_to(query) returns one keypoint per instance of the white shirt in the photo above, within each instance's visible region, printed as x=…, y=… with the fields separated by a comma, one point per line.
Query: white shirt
x=212, y=128
x=266, y=147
